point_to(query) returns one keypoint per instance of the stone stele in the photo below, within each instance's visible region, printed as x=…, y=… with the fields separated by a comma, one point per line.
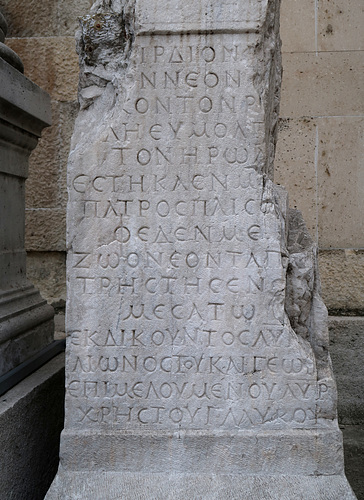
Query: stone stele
x=197, y=361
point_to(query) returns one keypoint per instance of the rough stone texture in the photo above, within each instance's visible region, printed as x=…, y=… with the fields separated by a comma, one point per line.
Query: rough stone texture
x=47, y=272
x=354, y=457
x=34, y=18
x=340, y=182
x=108, y=486
x=195, y=324
x=295, y=166
x=342, y=276
x=45, y=64
x=31, y=420
x=347, y=348
x=46, y=184
x=339, y=25
x=45, y=229
x=347, y=351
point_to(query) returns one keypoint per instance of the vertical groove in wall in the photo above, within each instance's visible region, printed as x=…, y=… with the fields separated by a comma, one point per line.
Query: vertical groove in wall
x=316, y=26
x=316, y=184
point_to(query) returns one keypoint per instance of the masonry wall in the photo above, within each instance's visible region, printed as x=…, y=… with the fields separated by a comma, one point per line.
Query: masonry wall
x=320, y=157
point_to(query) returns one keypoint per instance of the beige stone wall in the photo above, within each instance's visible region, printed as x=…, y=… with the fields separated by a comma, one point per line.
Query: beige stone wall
x=320, y=154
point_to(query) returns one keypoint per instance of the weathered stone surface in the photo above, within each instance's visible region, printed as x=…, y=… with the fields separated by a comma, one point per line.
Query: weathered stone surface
x=47, y=270
x=33, y=18
x=31, y=420
x=347, y=348
x=197, y=338
x=339, y=25
x=30, y=18
x=354, y=457
x=51, y=63
x=340, y=183
x=342, y=277
x=107, y=486
x=301, y=38
x=46, y=183
x=295, y=169
x=45, y=229
x=309, y=89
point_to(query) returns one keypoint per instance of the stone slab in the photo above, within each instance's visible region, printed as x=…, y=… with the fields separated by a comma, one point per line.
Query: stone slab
x=354, y=457
x=298, y=36
x=340, y=179
x=340, y=25
x=246, y=452
x=173, y=16
x=327, y=84
x=31, y=419
x=342, y=277
x=347, y=348
x=26, y=325
x=113, y=486
x=23, y=103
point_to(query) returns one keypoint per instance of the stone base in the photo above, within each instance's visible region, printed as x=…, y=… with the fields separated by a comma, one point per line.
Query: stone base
x=129, y=486
x=31, y=419
x=26, y=326
x=354, y=457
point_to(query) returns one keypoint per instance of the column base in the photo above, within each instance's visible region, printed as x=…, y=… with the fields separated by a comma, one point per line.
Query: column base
x=26, y=326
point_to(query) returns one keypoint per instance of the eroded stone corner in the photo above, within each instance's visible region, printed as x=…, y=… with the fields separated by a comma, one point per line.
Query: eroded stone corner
x=104, y=44
x=304, y=306
x=267, y=80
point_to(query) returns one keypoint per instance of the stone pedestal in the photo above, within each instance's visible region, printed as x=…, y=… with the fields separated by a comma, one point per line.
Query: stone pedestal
x=197, y=357
x=31, y=404
x=26, y=320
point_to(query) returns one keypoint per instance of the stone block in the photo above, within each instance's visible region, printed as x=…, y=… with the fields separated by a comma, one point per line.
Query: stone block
x=47, y=270
x=52, y=63
x=27, y=18
x=354, y=457
x=340, y=182
x=34, y=18
x=340, y=25
x=31, y=419
x=45, y=229
x=46, y=183
x=32, y=334
x=342, y=279
x=41, y=187
x=294, y=166
x=347, y=351
x=298, y=26
x=68, y=12
x=327, y=84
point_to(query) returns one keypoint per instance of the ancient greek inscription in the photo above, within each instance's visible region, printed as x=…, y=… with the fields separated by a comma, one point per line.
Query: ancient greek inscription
x=184, y=276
